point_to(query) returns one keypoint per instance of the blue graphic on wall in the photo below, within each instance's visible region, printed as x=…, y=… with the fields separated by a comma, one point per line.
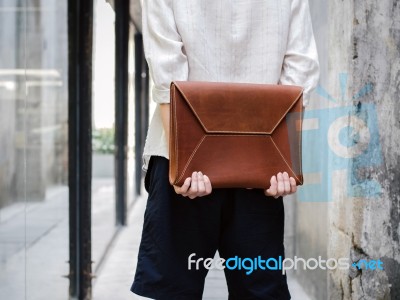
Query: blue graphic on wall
x=331, y=145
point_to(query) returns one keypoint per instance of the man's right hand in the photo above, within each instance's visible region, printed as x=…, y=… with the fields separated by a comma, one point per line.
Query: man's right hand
x=198, y=185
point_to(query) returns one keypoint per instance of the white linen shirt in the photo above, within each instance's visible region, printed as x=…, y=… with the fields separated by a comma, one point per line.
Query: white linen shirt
x=253, y=41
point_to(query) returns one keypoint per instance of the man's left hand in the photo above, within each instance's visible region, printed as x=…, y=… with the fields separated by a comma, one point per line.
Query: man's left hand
x=281, y=185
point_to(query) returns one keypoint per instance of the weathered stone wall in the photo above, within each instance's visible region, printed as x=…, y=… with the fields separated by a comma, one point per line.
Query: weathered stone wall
x=368, y=227
x=361, y=41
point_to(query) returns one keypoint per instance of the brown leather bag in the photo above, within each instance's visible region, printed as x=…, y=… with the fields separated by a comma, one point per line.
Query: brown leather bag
x=238, y=134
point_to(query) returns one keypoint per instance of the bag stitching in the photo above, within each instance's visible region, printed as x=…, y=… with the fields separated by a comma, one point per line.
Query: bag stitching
x=190, y=158
x=280, y=153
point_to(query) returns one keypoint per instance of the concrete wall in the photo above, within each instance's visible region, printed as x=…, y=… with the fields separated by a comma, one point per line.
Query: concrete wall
x=359, y=47
x=369, y=227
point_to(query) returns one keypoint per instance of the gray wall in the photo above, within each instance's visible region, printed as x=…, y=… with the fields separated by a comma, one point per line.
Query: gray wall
x=369, y=228
x=362, y=40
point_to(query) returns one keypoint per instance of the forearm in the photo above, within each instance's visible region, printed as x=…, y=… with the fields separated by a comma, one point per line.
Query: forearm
x=164, y=108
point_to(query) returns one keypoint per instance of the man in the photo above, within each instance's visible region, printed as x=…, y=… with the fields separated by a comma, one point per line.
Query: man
x=257, y=41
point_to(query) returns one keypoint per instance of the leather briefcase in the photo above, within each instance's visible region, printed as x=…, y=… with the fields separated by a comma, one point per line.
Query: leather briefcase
x=237, y=134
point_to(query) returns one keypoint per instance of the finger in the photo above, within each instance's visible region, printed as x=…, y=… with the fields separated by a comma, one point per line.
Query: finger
x=293, y=185
x=201, y=185
x=281, y=186
x=286, y=183
x=178, y=191
x=192, y=192
x=184, y=188
x=273, y=188
x=207, y=184
x=176, y=188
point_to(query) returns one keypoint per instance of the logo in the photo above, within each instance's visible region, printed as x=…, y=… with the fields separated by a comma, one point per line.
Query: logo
x=249, y=265
x=340, y=140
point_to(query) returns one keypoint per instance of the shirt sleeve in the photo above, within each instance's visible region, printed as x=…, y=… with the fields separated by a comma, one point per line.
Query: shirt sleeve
x=163, y=47
x=300, y=64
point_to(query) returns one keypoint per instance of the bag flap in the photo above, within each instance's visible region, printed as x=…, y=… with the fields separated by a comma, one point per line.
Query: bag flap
x=240, y=108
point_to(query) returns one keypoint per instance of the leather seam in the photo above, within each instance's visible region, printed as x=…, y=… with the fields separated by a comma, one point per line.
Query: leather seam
x=191, y=107
x=239, y=132
x=197, y=148
x=216, y=134
x=204, y=137
x=280, y=153
x=191, y=157
x=284, y=115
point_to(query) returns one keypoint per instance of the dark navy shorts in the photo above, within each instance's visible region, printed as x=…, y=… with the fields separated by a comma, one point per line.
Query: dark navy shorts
x=236, y=222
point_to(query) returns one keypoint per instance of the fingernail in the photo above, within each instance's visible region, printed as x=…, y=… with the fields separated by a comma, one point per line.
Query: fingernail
x=200, y=173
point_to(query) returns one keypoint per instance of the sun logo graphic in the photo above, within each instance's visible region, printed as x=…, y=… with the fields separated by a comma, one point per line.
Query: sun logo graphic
x=341, y=149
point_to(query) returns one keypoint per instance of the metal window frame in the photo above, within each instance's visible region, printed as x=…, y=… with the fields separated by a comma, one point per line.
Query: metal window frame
x=121, y=107
x=80, y=43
